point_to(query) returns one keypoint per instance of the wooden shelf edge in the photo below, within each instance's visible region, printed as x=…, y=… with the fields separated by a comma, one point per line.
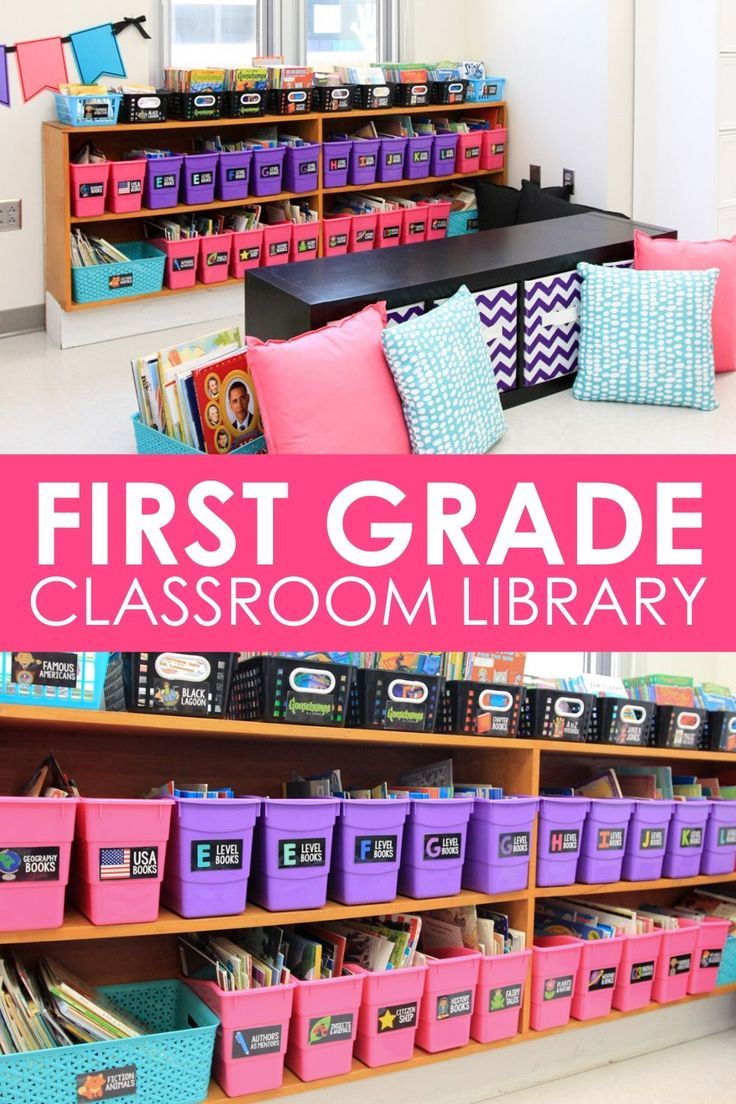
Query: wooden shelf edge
x=581, y=889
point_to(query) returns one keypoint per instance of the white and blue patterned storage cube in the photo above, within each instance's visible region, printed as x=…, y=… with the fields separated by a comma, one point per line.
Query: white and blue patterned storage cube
x=499, y=312
x=551, y=327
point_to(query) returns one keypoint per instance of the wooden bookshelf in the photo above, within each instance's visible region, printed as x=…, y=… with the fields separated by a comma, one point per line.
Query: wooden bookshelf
x=122, y=754
x=60, y=142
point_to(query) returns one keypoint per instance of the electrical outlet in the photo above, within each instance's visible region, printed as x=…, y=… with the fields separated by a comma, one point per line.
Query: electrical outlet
x=11, y=214
x=568, y=179
x=535, y=174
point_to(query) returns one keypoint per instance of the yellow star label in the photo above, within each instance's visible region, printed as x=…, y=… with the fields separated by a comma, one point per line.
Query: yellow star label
x=387, y=1020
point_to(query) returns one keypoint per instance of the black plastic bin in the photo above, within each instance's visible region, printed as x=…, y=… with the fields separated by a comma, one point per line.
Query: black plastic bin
x=449, y=91
x=144, y=107
x=193, y=106
x=246, y=104
x=289, y=101
x=623, y=721
x=390, y=699
x=291, y=691
x=373, y=97
x=480, y=708
x=333, y=98
x=557, y=715
x=720, y=730
x=417, y=94
x=679, y=727
x=180, y=684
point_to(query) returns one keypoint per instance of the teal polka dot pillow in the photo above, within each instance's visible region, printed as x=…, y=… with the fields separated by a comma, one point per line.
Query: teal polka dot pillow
x=646, y=337
x=444, y=375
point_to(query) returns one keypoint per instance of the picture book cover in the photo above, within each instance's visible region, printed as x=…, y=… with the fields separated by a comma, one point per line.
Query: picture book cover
x=227, y=403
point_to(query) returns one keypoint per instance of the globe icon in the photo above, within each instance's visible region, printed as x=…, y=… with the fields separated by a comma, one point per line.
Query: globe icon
x=9, y=862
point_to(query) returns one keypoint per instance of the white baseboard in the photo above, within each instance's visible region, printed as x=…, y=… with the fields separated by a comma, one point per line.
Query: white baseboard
x=482, y=1077
x=68, y=329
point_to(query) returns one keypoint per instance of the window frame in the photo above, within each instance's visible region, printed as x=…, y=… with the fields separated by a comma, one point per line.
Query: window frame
x=166, y=16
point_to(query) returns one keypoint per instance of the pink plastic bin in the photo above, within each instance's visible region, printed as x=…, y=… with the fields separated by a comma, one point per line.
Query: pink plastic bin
x=596, y=980
x=447, y=1004
x=277, y=243
x=389, y=1015
x=251, y=1041
x=363, y=231
x=635, y=976
x=180, y=269
x=88, y=186
x=125, y=189
x=214, y=258
x=324, y=1023
x=493, y=153
x=390, y=224
x=247, y=251
x=305, y=241
x=712, y=935
x=439, y=214
x=414, y=227
x=502, y=981
x=676, y=953
x=37, y=835
x=119, y=856
x=469, y=150
x=555, y=964
x=336, y=235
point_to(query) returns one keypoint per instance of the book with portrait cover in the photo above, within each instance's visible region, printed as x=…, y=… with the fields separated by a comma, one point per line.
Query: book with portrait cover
x=227, y=403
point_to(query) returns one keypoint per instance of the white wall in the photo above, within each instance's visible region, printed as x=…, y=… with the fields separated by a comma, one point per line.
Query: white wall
x=21, y=253
x=436, y=30
x=717, y=667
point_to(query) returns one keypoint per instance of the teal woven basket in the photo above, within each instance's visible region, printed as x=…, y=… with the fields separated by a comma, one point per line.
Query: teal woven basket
x=170, y=1066
x=462, y=222
x=727, y=972
x=151, y=442
x=486, y=90
x=142, y=274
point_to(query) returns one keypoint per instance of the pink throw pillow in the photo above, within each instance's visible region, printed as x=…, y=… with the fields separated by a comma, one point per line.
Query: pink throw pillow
x=330, y=391
x=666, y=253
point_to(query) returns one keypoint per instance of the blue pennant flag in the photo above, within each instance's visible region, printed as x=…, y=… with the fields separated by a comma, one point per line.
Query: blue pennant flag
x=96, y=52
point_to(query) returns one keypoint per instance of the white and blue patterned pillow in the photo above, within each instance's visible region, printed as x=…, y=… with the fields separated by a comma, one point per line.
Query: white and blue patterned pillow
x=444, y=375
x=646, y=337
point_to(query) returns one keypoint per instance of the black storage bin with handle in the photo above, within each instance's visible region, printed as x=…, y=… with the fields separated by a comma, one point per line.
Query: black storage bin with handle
x=416, y=94
x=392, y=699
x=557, y=715
x=144, y=107
x=720, y=730
x=449, y=91
x=289, y=101
x=245, y=104
x=480, y=708
x=373, y=97
x=679, y=726
x=333, y=98
x=193, y=106
x=623, y=721
x=184, y=684
x=291, y=691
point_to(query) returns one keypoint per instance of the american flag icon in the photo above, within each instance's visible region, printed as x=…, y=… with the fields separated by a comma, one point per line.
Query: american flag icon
x=114, y=862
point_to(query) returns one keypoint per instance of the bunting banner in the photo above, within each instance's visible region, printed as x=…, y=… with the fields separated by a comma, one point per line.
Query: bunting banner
x=97, y=53
x=4, y=86
x=41, y=64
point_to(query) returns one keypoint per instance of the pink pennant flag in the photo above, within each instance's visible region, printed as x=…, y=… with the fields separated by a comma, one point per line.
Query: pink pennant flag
x=41, y=65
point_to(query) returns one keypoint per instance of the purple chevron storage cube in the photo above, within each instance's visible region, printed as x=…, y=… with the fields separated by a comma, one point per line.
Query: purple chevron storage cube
x=551, y=327
x=403, y=314
x=499, y=312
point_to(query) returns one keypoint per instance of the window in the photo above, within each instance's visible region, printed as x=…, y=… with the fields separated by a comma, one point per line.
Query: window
x=570, y=664
x=342, y=32
x=202, y=33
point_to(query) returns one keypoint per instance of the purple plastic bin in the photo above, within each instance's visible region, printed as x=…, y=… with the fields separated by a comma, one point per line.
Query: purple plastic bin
x=266, y=171
x=366, y=851
x=161, y=187
x=336, y=163
x=292, y=846
x=434, y=846
x=444, y=154
x=198, y=177
x=686, y=838
x=647, y=840
x=364, y=160
x=561, y=821
x=391, y=159
x=301, y=168
x=604, y=840
x=233, y=174
x=208, y=862
x=499, y=844
x=719, y=852
x=418, y=156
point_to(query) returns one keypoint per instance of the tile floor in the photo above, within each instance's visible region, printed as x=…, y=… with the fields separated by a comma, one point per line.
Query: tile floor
x=80, y=400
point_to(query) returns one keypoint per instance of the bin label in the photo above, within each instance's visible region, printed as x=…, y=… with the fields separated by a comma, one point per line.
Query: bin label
x=601, y=979
x=472, y=152
x=564, y=842
x=447, y=153
x=366, y=160
x=122, y=280
x=727, y=836
x=376, y=849
x=164, y=180
x=391, y=231
x=611, y=839
x=652, y=839
x=417, y=227
x=250, y=253
x=119, y=863
x=336, y=240
x=394, y=158
x=108, y=1084
x=302, y=852
x=199, y=179
x=307, y=245
x=44, y=669
x=641, y=971
x=129, y=187
x=558, y=988
x=212, y=854
x=330, y=1029
x=711, y=959
x=508, y=996
x=338, y=164
x=420, y=157
x=308, y=168
x=310, y=708
x=513, y=843
x=366, y=235
x=170, y=695
x=441, y=224
x=249, y=1042
x=396, y=1017
x=452, y=1005
x=219, y=257
x=86, y=191
x=446, y=845
x=680, y=964
x=236, y=174
x=268, y=171
x=691, y=837
x=29, y=864
x=182, y=264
